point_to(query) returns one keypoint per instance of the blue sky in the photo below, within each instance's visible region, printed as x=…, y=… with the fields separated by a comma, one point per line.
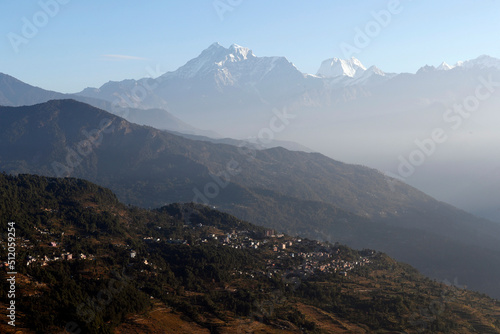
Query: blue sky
x=87, y=43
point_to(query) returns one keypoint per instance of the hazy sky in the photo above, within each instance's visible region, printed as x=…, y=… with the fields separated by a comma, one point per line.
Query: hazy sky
x=76, y=44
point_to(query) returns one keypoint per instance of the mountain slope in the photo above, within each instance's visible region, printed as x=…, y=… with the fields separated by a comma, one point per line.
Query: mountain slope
x=254, y=144
x=14, y=92
x=220, y=82
x=301, y=193
x=185, y=268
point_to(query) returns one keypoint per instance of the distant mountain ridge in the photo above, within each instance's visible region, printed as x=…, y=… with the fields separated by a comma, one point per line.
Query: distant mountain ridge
x=217, y=67
x=239, y=66
x=221, y=83
x=14, y=92
x=253, y=144
x=480, y=62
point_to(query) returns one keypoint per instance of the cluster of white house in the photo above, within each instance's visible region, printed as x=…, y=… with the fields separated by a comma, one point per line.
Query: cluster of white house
x=66, y=256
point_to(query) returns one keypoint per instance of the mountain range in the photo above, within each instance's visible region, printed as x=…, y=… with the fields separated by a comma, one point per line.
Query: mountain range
x=231, y=92
x=299, y=193
x=223, y=82
x=14, y=92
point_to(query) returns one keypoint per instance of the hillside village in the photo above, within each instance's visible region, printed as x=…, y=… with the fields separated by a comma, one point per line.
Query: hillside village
x=202, y=267
x=290, y=255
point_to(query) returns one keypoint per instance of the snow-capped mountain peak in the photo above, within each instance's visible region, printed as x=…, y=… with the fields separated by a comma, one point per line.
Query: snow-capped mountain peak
x=336, y=67
x=483, y=61
x=233, y=66
x=375, y=70
x=240, y=52
x=215, y=56
x=445, y=67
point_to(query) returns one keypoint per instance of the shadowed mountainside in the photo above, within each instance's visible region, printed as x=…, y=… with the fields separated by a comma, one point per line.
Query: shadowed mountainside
x=296, y=192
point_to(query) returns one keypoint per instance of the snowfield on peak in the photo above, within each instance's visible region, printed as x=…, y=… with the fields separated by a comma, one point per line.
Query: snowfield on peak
x=336, y=67
x=483, y=61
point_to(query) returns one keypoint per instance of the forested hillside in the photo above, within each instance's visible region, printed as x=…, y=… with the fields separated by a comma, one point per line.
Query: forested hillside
x=87, y=262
